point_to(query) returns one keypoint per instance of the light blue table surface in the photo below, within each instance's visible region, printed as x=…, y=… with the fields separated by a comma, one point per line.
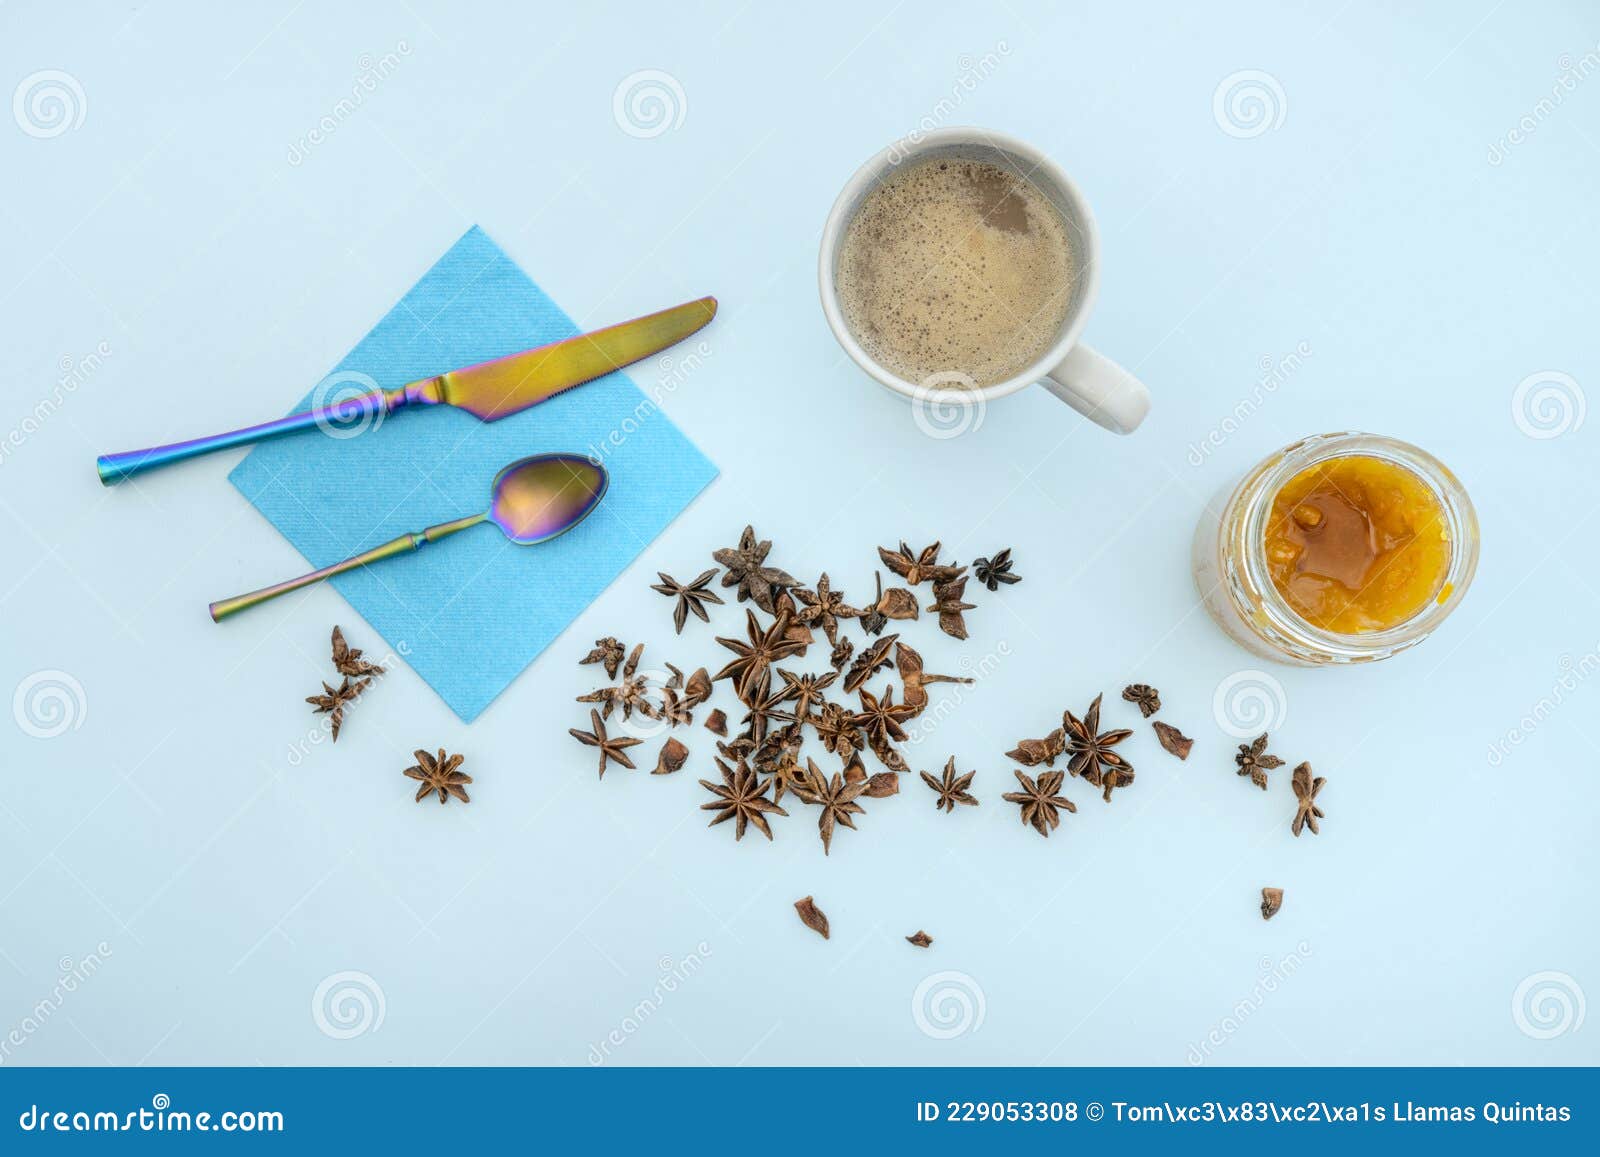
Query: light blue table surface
x=222, y=200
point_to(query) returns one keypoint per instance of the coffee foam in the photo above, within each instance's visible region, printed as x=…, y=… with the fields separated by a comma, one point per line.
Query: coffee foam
x=953, y=265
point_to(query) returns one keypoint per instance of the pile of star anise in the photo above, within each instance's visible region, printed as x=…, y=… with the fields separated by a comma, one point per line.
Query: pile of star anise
x=844, y=707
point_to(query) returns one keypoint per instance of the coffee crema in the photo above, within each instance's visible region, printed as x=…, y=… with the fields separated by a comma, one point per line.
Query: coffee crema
x=954, y=267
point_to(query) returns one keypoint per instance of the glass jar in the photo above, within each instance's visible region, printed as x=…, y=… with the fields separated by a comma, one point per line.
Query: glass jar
x=1230, y=562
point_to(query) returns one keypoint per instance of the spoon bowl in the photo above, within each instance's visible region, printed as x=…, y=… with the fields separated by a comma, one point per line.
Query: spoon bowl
x=538, y=498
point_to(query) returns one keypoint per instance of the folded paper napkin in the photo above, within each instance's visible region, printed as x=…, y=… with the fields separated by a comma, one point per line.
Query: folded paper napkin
x=470, y=612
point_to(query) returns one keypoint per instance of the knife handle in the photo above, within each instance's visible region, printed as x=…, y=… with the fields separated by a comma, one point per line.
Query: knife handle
x=361, y=407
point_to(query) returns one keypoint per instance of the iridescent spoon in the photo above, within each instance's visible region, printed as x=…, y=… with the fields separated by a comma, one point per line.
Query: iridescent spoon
x=533, y=500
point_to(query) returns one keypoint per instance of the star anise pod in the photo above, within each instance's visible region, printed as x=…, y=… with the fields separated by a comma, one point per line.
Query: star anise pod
x=909, y=663
x=898, y=603
x=836, y=798
x=611, y=747
x=691, y=596
x=869, y=661
x=824, y=607
x=1090, y=750
x=842, y=651
x=880, y=720
x=742, y=798
x=798, y=632
x=914, y=568
x=753, y=658
x=747, y=569
x=334, y=700
x=1040, y=803
x=765, y=709
x=697, y=689
x=837, y=729
x=1145, y=696
x=632, y=692
x=607, y=652
x=804, y=691
x=1254, y=761
x=438, y=774
x=675, y=709
x=786, y=774
x=991, y=572
x=1033, y=752
x=947, y=601
x=873, y=619
x=347, y=660
x=952, y=788
x=1306, y=812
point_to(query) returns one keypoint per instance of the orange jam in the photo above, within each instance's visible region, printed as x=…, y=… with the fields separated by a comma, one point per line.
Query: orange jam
x=1357, y=544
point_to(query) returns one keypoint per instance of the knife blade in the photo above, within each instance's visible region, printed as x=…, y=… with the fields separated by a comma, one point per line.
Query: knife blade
x=489, y=390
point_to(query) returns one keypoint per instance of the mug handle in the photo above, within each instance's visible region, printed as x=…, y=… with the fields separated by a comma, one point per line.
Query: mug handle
x=1099, y=389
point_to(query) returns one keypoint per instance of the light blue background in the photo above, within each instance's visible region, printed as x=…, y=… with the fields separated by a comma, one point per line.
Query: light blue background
x=229, y=868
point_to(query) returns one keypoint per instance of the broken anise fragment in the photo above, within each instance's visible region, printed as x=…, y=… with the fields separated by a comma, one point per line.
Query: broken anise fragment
x=742, y=798
x=871, y=660
x=1271, y=901
x=909, y=663
x=914, y=568
x=717, y=721
x=691, y=596
x=812, y=916
x=438, y=774
x=610, y=747
x=698, y=688
x=885, y=783
x=1306, y=812
x=1254, y=761
x=607, y=652
x=873, y=619
x=952, y=788
x=748, y=571
x=899, y=604
x=947, y=601
x=842, y=651
x=673, y=755
x=991, y=572
x=1033, y=752
x=347, y=660
x=921, y=939
x=1146, y=697
x=1040, y=802
x=1174, y=741
x=1090, y=749
x=334, y=700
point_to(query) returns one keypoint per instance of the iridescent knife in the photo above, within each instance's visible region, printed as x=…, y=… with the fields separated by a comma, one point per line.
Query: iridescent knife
x=489, y=390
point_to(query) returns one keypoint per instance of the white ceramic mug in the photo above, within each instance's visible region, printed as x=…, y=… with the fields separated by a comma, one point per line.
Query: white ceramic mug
x=1094, y=385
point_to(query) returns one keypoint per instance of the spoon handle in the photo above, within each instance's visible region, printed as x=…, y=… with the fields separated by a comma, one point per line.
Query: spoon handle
x=405, y=544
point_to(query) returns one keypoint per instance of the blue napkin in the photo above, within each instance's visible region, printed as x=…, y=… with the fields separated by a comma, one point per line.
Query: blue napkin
x=470, y=612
